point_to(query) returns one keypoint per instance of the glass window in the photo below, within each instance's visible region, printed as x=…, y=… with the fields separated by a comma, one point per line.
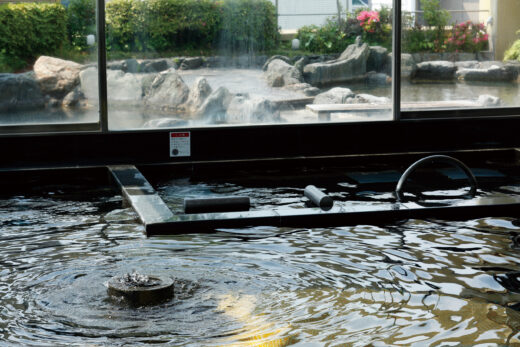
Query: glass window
x=460, y=54
x=46, y=51
x=246, y=62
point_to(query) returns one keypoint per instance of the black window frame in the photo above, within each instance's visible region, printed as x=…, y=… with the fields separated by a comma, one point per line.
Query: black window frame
x=478, y=128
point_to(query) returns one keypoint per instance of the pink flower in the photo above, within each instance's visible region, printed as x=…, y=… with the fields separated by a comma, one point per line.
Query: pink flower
x=485, y=37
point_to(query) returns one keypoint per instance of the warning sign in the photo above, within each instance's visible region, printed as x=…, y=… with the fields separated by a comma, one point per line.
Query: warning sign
x=180, y=144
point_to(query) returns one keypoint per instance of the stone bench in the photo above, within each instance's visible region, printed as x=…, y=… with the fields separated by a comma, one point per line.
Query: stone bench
x=324, y=111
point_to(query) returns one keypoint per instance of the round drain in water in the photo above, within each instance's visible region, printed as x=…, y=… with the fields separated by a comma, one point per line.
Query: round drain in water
x=141, y=290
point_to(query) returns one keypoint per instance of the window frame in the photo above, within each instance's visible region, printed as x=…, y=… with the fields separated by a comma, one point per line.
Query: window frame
x=397, y=114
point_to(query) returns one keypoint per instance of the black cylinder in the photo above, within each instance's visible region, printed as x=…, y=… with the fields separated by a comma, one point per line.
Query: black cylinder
x=221, y=204
x=318, y=198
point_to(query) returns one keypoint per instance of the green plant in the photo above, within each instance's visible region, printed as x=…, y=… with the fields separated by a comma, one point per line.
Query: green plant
x=29, y=30
x=125, y=25
x=9, y=63
x=248, y=26
x=328, y=38
x=377, y=26
x=434, y=15
x=513, y=52
x=437, y=18
x=81, y=21
x=234, y=26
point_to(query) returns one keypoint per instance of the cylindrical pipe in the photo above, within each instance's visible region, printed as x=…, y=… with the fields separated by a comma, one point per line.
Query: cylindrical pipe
x=318, y=198
x=220, y=204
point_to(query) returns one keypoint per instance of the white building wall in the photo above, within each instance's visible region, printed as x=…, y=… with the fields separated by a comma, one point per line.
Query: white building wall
x=317, y=11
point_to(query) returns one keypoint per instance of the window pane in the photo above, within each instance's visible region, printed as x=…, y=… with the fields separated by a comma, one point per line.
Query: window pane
x=188, y=63
x=460, y=54
x=45, y=50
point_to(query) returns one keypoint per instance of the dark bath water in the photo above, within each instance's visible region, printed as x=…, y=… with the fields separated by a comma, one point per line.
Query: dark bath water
x=411, y=283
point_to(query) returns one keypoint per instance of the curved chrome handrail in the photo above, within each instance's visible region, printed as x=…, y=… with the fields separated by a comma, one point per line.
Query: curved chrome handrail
x=439, y=159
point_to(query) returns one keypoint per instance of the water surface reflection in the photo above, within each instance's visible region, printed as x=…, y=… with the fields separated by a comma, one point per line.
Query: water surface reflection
x=411, y=283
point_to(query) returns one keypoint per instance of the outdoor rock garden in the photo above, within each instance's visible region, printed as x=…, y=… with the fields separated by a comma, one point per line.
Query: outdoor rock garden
x=322, y=72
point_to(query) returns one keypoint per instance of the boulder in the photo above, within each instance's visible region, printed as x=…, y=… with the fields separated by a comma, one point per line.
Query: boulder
x=279, y=74
x=489, y=101
x=215, y=105
x=336, y=95
x=377, y=59
x=132, y=65
x=198, y=93
x=378, y=79
x=19, y=92
x=124, y=87
x=407, y=65
x=56, y=77
x=470, y=64
x=213, y=61
x=154, y=65
x=166, y=123
x=370, y=99
x=168, y=91
x=490, y=63
x=300, y=64
x=492, y=74
x=242, y=109
x=89, y=83
x=117, y=65
x=191, y=63
x=276, y=57
x=127, y=88
x=352, y=64
x=305, y=88
x=73, y=99
x=434, y=71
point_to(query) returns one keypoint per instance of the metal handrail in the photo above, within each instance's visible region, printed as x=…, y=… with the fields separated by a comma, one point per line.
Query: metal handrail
x=439, y=159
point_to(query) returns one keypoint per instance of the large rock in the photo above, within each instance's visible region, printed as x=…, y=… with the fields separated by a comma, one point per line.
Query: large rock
x=198, y=93
x=304, y=88
x=191, y=63
x=154, y=65
x=369, y=99
x=300, y=64
x=241, y=109
x=215, y=106
x=89, y=83
x=378, y=79
x=470, y=64
x=56, y=77
x=19, y=92
x=351, y=65
x=336, y=95
x=407, y=65
x=492, y=74
x=141, y=66
x=124, y=88
x=276, y=57
x=168, y=91
x=377, y=59
x=73, y=99
x=279, y=74
x=489, y=101
x=434, y=71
